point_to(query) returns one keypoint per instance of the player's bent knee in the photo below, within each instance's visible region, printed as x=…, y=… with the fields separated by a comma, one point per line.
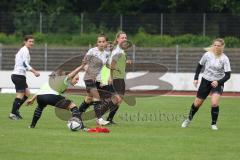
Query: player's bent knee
x=214, y=104
x=27, y=92
x=119, y=101
x=88, y=99
x=71, y=105
x=96, y=99
x=198, y=102
x=115, y=99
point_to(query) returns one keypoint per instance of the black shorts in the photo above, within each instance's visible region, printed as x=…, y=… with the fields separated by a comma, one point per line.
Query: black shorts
x=19, y=82
x=90, y=84
x=205, y=88
x=53, y=100
x=105, y=91
x=119, y=86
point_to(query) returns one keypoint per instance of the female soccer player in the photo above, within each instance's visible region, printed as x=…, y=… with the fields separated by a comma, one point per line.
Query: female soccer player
x=106, y=89
x=50, y=94
x=118, y=62
x=95, y=59
x=217, y=71
x=22, y=64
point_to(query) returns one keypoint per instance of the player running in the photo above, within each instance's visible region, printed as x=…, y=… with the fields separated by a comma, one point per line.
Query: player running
x=94, y=60
x=118, y=62
x=22, y=64
x=217, y=71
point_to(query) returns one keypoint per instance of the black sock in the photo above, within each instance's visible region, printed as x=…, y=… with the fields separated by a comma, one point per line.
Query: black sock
x=16, y=105
x=36, y=116
x=97, y=105
x=106, y=105
x=23, y=100
x=104, y=109
x=84, y=106
x=113, y=111
x=75, y=112
x=214, y=113
x=193, y=110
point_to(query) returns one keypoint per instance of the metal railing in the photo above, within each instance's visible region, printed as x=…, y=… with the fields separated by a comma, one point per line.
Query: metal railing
x=177, y=59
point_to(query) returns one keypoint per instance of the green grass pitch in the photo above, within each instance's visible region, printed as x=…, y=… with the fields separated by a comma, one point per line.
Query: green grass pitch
x=149, y=130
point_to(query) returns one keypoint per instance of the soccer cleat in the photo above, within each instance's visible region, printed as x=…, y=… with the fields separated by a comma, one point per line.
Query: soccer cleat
x=186, y=123
x=111, y=122
x=102, y=122
x=13, y=116
x=214, y=127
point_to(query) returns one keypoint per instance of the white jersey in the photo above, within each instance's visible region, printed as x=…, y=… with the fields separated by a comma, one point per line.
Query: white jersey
x=22, y=60
x=95, y=59
x=215, y=67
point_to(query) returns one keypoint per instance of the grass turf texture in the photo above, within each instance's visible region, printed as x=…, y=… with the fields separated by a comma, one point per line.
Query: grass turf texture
x=140, y=134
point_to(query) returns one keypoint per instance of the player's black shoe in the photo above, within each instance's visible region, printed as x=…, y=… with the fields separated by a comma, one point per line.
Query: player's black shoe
x=111, y=122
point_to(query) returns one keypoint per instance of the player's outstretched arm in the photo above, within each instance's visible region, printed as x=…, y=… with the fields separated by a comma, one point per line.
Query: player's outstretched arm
x=75, y=71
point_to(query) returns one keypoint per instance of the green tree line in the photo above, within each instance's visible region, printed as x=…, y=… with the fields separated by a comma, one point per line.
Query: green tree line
x=121, y=6
x=19, y=17
x=141, y=39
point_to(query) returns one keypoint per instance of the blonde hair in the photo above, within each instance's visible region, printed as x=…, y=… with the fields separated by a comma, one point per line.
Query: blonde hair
x=210, y=48
x=115, y=42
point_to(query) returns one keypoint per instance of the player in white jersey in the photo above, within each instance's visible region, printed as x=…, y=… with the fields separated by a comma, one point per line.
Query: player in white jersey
x=51, y=94
x=22, y=64
x=217, y=71
x=95, y=59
